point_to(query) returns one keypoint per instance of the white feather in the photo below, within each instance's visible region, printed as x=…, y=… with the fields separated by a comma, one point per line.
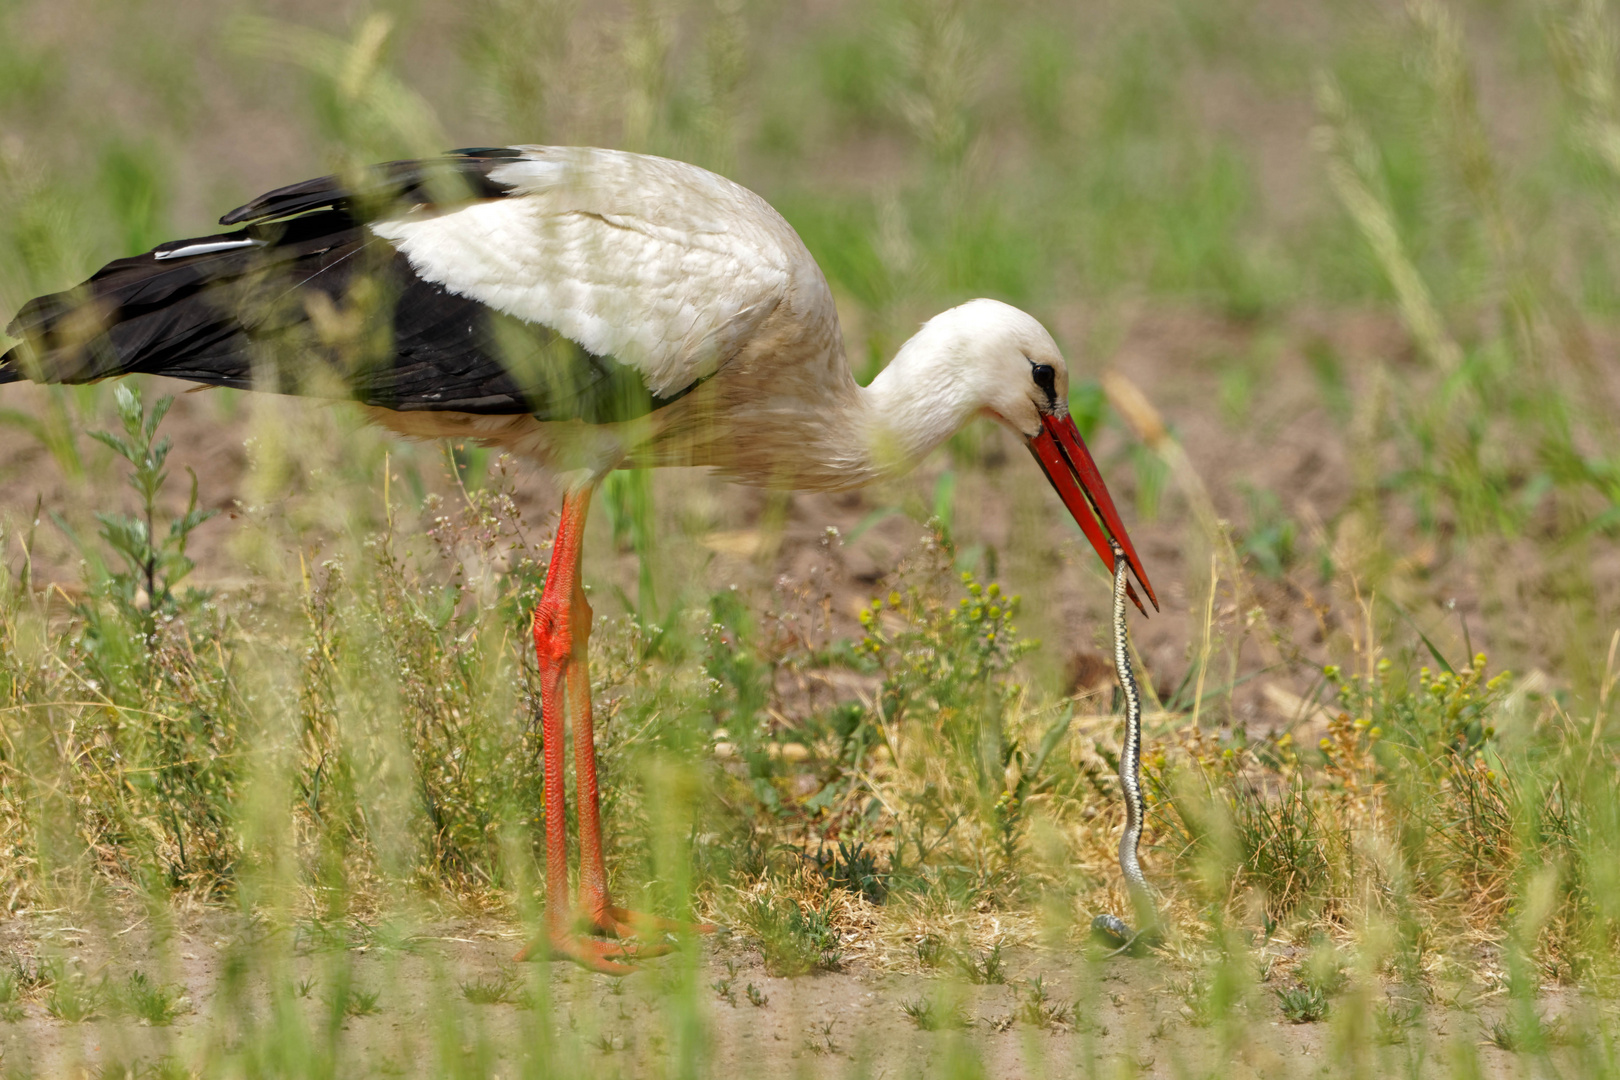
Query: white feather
x=662, y=265
x=209, y=248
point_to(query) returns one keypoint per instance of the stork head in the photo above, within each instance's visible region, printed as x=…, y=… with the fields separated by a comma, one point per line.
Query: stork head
x=1006, y=363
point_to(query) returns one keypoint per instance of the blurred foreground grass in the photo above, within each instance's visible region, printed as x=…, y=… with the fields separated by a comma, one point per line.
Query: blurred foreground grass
x=334, y=758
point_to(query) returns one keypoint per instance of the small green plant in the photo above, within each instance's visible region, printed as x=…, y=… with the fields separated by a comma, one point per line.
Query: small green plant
x=11, y=1009
x=352, y=1001
x=756, y=996
x=504, y=987
x=153, y=1003
x=1531, y=1034
x=987, y=970
x=853, y=868
x=21, y=977
x=793, y=941
x=725, y=991
x=1198, y=1003
x=1270, y=543
x=362, y=1003
x=1394, y=1018
x=153, y=567
x=931, y=951
x=1505, y=1036
x=1037, y=1007
x=1303, y=1004
x=821, y=1041
x=931, y=1015
x=947, y=668
x=73, y=998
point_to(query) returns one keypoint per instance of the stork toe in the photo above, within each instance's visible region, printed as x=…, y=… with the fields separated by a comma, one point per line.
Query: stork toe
x=624, y=923
x=593, y=954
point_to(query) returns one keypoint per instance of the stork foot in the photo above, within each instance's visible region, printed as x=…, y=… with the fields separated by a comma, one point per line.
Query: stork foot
x=624, y=923
x=606, y=957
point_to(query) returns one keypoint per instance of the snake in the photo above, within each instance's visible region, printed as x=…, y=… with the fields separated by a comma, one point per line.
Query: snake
x=1111, y=927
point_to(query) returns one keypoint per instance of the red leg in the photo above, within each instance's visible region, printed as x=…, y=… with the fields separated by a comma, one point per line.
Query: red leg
x=593, y=890
x=562, y=632
x=554, y=647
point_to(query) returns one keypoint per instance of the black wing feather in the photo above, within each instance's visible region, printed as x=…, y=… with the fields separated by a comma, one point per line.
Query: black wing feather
x=318, y=305
x=458, y=175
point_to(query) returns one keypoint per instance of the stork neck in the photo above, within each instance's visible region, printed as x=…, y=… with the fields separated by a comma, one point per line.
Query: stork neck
x=921, y=399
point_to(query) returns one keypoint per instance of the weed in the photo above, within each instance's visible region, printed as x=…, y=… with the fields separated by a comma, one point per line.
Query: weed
x=74, y=998
x=353, y=1002
x=932, y=950
x=1198, y=1002
x=1395, y=1018
x=793, y=940
x=11, y=1008
x=1531, y=1034
x=362, y=1003
x=504, y=987
x=821, y=1040
x=854, y=868
x=725, y=991
x=932, y=1015
x=150, y=1002
x=756, y=996
x=1302, y=1004
x=153, y=568
x=1037, y=1008
x=1504, y=1036
x=988, y=969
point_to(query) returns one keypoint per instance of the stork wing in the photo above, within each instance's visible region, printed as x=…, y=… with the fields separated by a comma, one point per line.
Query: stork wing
x=661, y=265
x=568, y=284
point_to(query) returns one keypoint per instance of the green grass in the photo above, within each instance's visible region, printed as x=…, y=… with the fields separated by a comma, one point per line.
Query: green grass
x=1303, y=1004
x=793, y=940
x=310, y=767
x=502, y=988
x=151, y=1002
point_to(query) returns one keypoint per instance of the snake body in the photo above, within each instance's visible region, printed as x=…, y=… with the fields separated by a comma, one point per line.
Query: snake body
x=1111, y=927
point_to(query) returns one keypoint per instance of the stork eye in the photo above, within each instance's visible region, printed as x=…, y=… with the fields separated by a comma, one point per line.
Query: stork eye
x=1046, y=379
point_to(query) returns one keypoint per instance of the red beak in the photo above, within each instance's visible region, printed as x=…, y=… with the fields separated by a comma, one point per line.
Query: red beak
x=1069, y=466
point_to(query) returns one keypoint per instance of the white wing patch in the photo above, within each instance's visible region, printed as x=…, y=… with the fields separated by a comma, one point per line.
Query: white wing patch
x=662, y=266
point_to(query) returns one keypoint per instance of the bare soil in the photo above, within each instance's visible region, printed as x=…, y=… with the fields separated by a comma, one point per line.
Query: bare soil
x=1123, y=1014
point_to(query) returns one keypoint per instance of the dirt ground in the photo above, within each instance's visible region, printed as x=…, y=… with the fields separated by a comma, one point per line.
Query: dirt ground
x=1126, y=1014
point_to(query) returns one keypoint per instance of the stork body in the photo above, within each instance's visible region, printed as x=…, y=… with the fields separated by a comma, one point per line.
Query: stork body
x=586, y=309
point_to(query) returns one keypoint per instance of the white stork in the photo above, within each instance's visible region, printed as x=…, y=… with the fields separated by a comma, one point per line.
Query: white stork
x=589, y=310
